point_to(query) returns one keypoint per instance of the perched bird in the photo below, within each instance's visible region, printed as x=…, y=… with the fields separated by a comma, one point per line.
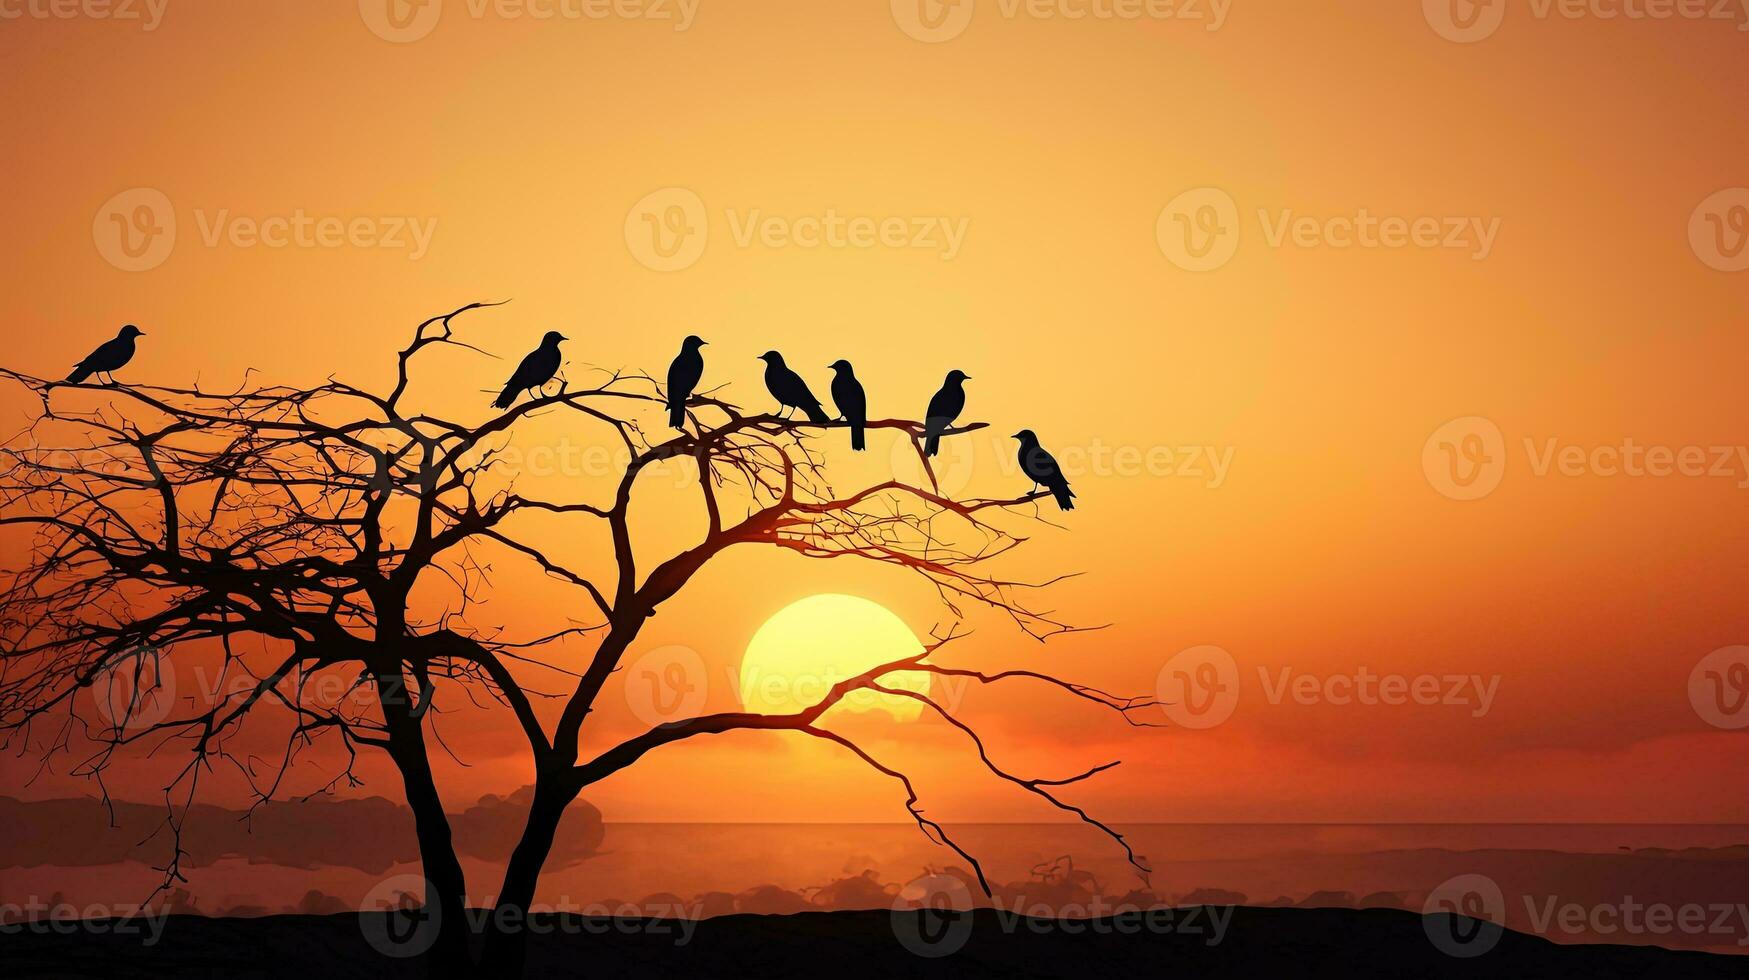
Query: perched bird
x=1041, y=468
x=535, y=370
x=851, y=400
x=946, y=406
x=683, y=376
x=109, y=356
x=789, y=389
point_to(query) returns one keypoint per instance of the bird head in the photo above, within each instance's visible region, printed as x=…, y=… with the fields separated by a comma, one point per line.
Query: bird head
x=955, y=376
x=552, y=338
x=1026, y=435
x=694, y=343
x=771, y=357
x=840, y=365
x=132, y=331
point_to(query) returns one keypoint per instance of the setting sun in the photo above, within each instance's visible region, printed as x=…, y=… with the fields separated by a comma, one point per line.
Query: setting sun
x=816, y=642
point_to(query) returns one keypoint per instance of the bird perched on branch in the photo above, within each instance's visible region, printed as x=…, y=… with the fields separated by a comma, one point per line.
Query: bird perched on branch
x=683, y=376
x=946, y=406
x=535, y=370
x=789, y=389
x=851, y=400
x=109, y=356
x=1041, y=468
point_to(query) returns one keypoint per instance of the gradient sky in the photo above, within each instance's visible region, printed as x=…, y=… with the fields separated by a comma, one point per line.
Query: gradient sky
x=1318, y=373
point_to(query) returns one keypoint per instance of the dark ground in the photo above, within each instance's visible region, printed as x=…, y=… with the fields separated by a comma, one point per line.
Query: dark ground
x=1255, y=942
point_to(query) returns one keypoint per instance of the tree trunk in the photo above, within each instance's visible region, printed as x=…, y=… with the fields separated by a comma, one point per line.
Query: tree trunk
x=506, y=950
x=446, y=884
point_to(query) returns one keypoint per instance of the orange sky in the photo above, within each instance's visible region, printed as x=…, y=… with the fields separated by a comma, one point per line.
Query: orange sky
x=1039, y=152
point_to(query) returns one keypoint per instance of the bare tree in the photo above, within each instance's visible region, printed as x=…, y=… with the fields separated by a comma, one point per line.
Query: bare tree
x=299, y=521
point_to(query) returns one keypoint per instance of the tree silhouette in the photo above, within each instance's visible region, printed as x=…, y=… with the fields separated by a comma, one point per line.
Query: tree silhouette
x=301, y=520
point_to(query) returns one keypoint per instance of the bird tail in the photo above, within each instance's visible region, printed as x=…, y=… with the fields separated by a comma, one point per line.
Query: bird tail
x=505, y=400
x=1065, y=496
x=79, y=375
x=856, y=438
x=816, y=414
x=677, y=414
x=931, y=444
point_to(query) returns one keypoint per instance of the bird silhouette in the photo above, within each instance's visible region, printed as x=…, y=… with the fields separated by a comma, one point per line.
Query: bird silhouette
x=1042, y=469
x=535, y=370
x=851, y=400
x=946, y=406
x=683, y=377
x=109, y=356
x=789, y=389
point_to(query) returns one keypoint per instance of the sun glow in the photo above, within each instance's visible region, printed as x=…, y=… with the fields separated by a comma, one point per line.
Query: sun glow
x=812, y=644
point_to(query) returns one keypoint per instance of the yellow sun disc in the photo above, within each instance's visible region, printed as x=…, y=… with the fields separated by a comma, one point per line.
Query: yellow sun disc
x=810, y=645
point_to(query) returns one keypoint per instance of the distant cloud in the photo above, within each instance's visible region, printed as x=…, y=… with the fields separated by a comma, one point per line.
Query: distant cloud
x=369, y=835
